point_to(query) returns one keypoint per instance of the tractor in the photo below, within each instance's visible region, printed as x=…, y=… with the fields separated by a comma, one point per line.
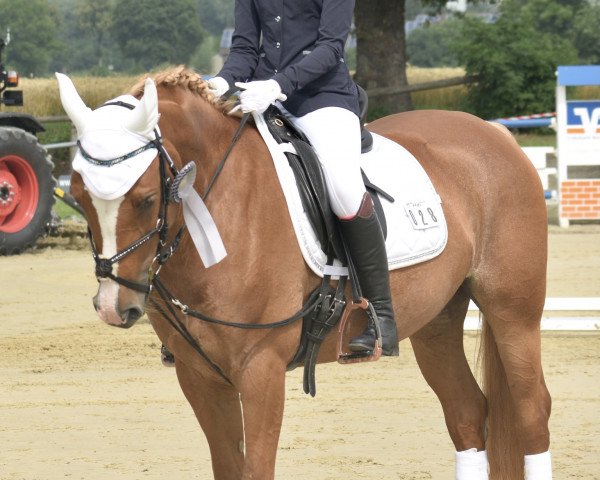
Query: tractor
x=27, y=187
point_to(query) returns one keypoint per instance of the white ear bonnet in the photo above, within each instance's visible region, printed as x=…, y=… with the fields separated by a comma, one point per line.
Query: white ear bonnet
x=115, y=148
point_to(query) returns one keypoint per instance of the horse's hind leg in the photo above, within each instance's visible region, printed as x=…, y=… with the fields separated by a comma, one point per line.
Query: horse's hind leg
x=440, y=354
x=509, y=288
x=517, y=390
x=519, y=346
x=218, y=410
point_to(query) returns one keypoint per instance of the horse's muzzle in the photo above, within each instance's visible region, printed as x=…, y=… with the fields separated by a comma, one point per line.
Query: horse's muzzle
x=121, y=313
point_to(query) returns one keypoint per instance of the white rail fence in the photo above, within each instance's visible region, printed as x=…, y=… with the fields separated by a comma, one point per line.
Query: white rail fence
x=554, y=318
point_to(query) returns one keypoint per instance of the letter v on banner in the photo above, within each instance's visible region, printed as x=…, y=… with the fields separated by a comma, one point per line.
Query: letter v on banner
x=585, y=118
x=579, y=133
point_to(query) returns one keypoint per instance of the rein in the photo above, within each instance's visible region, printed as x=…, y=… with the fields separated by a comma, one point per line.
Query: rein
x=168, y=194
x=305, y=310
x=234, y=140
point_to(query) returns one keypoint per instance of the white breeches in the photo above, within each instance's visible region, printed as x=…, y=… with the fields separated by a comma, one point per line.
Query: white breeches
x=334, y=133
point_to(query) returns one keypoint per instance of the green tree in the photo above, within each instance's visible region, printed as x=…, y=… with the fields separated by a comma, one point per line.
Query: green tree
x=573, y=20
x=33, y=29
x=216, y=15
x=85, y=36
x=587, y=34
x=381, y=49
x=430, y=46
x=515, y=59
x=152, y=32
x=412, y=8
x=549, y=16
x=95, y=17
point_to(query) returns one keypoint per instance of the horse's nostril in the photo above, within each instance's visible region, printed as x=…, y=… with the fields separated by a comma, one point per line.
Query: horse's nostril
x=130, y=315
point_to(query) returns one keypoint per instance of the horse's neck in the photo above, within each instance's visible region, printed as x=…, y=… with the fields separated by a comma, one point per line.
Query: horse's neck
x=249, y=209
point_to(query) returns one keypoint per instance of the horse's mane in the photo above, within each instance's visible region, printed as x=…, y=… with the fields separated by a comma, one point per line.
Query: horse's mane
x=184, y=78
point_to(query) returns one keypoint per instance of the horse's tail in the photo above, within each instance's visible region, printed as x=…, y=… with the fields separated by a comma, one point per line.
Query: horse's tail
x=505, y=451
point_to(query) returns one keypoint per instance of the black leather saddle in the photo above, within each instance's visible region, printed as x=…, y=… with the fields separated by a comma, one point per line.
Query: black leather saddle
x=311, y=181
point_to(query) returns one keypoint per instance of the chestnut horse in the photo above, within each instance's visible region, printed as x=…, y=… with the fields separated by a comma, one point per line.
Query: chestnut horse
x=495, y=255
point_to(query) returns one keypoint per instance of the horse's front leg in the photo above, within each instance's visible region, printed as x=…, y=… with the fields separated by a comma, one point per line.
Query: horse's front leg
x=262, y=389
x=218, y=410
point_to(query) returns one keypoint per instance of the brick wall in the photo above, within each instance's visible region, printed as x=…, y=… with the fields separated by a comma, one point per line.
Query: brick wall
x=580, y=199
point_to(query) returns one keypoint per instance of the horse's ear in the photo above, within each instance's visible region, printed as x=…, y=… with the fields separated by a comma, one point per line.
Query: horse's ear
x=145, y=116
x=77, y=111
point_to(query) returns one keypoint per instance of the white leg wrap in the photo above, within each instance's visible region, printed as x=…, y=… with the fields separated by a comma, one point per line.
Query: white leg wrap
x=538, y=467
x=471, y=465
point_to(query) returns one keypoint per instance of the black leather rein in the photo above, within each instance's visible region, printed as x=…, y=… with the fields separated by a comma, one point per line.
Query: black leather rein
x=104, y=266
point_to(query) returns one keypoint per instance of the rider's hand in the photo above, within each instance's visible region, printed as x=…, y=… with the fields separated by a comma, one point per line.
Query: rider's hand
x=218, y=86
x=258, y=95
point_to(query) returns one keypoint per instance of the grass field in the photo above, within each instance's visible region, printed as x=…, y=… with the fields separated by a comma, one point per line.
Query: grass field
x=41, y=100
x=41, y=97
x=449, y=98
x=41, y=94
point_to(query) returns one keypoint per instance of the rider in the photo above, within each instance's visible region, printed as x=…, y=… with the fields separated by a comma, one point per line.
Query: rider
x=293, y=52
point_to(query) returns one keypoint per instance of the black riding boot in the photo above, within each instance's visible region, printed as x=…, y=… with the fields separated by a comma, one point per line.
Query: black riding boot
x=366, y=246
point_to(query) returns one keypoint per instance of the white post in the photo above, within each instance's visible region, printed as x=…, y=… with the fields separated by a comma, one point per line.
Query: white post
x=561, y=130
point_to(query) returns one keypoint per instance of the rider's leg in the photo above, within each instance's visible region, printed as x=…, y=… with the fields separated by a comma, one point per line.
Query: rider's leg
x=367, y=249
x=335, y=135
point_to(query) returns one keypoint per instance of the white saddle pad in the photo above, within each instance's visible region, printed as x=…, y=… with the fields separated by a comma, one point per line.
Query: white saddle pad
x=416, y=226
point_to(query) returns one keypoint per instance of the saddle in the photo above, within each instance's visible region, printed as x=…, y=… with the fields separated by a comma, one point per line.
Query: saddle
x=313, y=193
x=310, y=180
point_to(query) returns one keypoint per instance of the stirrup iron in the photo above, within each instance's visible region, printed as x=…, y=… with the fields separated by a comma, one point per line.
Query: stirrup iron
x=358, y=357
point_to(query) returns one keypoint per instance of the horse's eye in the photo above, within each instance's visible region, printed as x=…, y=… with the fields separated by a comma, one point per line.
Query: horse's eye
x=146, y=203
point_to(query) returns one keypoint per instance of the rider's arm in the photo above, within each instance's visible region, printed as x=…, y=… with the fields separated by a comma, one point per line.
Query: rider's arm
x=244, y=51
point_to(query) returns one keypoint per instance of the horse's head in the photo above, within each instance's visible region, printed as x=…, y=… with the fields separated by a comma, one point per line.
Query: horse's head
x=120, y=174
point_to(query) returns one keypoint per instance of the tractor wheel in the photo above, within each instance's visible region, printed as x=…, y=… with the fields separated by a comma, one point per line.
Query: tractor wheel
x=26, y=190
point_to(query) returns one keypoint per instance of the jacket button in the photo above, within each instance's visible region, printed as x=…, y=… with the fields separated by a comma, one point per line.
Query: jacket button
x=277, y=45
x=277, y=18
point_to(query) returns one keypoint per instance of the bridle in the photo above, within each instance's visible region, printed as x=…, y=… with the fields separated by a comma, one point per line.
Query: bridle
x=169, y=193
x=323, y=302
x=104, y=266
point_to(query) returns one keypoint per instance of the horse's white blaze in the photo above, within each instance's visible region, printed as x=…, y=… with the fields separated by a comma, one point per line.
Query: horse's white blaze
x=108, y=291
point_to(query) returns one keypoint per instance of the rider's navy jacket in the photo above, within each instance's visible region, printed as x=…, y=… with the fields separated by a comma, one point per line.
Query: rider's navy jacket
x=298, y=43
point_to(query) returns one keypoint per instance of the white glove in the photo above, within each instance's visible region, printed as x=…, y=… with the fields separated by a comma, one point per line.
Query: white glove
x=258, y=95
x=218, y=86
